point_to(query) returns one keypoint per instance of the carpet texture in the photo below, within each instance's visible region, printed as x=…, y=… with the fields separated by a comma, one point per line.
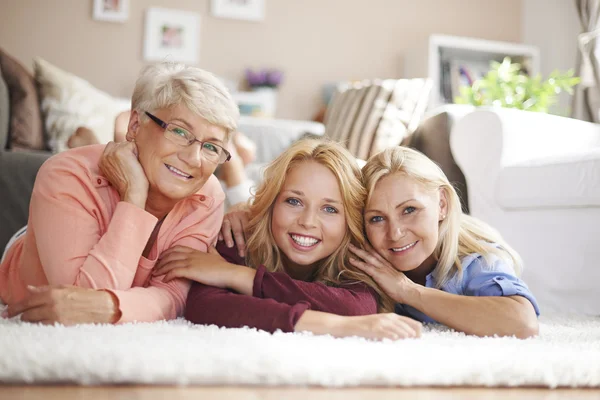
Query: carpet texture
x=567, y=353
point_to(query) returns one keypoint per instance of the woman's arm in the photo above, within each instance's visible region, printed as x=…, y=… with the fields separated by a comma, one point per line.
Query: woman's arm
x=487, y=308
x=68, y=222
x=481, y=315
x=214, y=306
x=213, y=269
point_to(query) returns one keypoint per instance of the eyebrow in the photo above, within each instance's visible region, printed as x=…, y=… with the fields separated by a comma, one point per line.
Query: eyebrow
x=381, y=212
x=327, y=199
x=190, y=128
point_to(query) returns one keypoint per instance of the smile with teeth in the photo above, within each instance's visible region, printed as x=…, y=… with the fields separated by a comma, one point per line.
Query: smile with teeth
x=178, y=172
x=399, y=249
x=304, y=241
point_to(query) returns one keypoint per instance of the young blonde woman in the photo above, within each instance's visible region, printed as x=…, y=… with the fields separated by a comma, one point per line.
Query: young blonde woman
x=296, y=274
x=436, y=263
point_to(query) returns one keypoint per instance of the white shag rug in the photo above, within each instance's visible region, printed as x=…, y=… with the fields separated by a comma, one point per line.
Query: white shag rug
x=567, y=353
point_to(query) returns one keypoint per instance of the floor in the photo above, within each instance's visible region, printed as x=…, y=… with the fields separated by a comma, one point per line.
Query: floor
x=255, y=393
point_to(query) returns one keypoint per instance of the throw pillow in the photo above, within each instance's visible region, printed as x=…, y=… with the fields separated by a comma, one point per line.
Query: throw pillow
x=26, y=130
x=4, y=113
x=69, y=102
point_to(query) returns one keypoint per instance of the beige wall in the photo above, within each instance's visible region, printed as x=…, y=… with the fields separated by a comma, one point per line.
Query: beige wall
x=313, y=41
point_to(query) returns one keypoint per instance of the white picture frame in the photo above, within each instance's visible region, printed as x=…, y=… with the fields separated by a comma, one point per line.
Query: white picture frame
x=249, y=10
x=111, y=10
x=171, y=35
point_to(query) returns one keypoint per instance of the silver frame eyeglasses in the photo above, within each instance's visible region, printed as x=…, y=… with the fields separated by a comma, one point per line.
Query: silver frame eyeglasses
x=210, y=151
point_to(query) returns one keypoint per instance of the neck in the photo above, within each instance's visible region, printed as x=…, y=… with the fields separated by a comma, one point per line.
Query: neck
x=158, y=205
x=419, y=274
x=297, y=271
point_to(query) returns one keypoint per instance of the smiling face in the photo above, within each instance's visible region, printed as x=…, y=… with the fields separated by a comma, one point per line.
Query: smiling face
x=308, y=221
x=174, y=172
x=402, y=222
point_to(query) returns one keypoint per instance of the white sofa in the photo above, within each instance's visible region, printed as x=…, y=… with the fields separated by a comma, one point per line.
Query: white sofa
x=536, y=178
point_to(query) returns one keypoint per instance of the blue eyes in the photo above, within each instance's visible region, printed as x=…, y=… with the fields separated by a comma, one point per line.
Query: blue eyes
x=295, y=202
x=409, y=210
x=378, y=218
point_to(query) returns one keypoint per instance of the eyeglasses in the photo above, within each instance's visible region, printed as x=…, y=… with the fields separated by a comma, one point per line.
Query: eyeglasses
x=182, y=137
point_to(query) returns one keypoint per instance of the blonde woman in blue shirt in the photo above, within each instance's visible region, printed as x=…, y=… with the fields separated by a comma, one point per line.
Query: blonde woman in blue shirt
x=439, y=264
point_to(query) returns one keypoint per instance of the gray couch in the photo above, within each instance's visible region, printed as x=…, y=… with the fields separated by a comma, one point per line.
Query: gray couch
x=17, y=175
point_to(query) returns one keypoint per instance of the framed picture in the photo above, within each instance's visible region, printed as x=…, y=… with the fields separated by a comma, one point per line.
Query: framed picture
x=249, y=10
x=111, y=10
x=172, y=35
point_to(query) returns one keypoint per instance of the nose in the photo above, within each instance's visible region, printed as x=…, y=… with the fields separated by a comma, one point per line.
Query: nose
x=395, y=230
x=307, y=218
x=192, y=155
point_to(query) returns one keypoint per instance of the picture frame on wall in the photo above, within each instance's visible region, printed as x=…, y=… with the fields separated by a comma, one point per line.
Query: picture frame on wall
x=171, y=35
x=249, y=10
x=111, y=10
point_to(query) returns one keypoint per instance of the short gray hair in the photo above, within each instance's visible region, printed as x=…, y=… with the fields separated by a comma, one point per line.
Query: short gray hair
x=169, y=84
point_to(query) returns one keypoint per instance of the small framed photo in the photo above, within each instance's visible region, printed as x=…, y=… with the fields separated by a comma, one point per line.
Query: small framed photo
x=172, y=35
x=249, y=10
x=111, y=10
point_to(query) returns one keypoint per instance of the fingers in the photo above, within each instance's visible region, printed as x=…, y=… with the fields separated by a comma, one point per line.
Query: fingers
x=176, y=250
x=34, y=300
x=237, y=227
x=364, y=256
x=364, y=267
x=170, y=265
x=226, y=232
x=38, y=314
x=399, y=327
x=176, y=273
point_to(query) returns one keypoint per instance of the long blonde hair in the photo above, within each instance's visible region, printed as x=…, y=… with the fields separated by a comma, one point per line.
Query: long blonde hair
x=334, y=269
x=459, y=234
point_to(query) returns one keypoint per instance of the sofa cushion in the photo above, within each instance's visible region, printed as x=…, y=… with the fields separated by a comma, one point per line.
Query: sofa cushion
x=525, y=186
x=4, y=113
x=69, y=102
x=26, y=129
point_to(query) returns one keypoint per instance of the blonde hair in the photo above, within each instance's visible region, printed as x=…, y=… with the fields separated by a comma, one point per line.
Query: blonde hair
x=459, y=234
x=334, y=269
x=169, y=84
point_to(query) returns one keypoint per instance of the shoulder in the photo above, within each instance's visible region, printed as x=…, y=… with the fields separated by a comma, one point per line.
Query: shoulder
x=212, y=191
x=80, y=160
x=476, y=264
x=78, y=165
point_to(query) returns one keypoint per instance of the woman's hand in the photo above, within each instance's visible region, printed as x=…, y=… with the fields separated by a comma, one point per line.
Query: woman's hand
x=67, y=305
x=234, y=225
x=390, y=280
x=374, y=326
x=120, y=165
x=208, y=268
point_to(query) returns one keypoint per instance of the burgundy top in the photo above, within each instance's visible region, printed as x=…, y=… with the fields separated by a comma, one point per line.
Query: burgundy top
x=277, y=300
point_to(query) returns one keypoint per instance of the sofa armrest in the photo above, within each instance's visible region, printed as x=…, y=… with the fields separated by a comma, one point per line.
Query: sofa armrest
x=489, y=140
x=17, y=176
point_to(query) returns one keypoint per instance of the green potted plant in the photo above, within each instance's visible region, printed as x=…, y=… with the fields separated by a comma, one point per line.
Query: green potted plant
x=506, y=85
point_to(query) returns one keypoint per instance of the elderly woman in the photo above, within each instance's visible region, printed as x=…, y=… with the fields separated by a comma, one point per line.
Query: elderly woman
x=101, y=216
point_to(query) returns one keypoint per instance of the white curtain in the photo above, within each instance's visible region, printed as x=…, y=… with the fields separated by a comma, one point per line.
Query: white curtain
x=586, y=99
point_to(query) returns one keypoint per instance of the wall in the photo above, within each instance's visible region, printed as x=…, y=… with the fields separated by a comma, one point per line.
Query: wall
x=313, y=41
x=553, y=26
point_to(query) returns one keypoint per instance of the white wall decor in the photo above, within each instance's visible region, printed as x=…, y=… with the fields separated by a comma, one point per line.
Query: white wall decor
x=250, y=10
x=111, y=10
x=171, y=35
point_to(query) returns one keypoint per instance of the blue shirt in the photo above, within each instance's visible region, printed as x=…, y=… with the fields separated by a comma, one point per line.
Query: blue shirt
x=479, y=278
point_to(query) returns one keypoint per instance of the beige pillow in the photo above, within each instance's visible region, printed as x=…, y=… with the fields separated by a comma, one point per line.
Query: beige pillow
x=69, y=102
